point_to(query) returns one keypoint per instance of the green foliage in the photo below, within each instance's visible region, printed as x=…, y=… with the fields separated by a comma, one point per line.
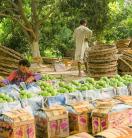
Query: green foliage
x=95, y=11
x=12, y=36
x=109, y=19
x=120, y=24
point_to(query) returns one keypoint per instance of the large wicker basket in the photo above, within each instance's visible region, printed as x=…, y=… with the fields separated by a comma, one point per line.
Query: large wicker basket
x=102, y=60
x=8, y=60
x=125, y=62
x=123, y=44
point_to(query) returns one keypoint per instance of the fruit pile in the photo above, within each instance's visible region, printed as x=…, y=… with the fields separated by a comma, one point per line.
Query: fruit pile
x=25, y=94
x=83, y=85
x=47, y=77
x=5, y=98
x=61, y=87
x=47, y=89
x=66, y=88
x=104, y=82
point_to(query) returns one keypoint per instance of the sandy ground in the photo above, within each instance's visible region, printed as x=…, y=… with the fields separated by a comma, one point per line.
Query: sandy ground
x=68, y=73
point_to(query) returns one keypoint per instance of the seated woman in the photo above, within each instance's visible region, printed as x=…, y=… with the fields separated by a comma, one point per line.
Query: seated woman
x=22, y=74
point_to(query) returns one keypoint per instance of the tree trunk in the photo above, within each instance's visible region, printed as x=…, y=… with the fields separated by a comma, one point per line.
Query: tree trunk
x=35, y=49
x=36, y=52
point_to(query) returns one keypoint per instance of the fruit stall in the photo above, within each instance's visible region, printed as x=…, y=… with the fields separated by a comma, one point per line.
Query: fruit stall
x=53, y=108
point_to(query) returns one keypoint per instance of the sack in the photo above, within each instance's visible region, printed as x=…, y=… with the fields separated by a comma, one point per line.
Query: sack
x=11, y=90
x=4, y=107
x=58, y=66
x=122, y=91
x=130, y=88
x=108, y=93
x=91, y=95
x=32, y=87
x=54, y=100
x=32, y=104
x=73, y=97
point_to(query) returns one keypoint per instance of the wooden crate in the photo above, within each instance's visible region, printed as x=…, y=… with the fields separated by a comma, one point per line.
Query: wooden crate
x=17, y=124
x=52, y=123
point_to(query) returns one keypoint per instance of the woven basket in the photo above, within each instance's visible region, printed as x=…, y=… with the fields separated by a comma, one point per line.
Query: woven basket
x=102, y=60
x=102, y=70
x=8, y=60
x=130, y=45
x=3, y=73
x=5, y=59
x=108, y=57
x=99, y=75
x=123, y=43
x=128, y=52
x=102, y=54
x=121, y=50
x=6, y=70
x=10, y=52
x=101, y=65
x=124, y=66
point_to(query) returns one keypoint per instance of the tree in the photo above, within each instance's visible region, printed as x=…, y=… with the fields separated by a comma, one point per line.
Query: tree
x=95, y=11
x=13, y=37
x=30, y=15
x=120, y=22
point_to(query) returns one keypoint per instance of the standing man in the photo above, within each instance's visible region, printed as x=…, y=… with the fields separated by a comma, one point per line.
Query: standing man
x=81, y=35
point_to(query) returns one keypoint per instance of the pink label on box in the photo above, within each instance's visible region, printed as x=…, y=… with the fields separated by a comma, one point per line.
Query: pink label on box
x=104, y=123
x=53, y=124
x=64, y=124
x=83, y=120
x=74, y=117
x=130, y=117
x=95, y=123
x=19, y=133
x=123, y=118
x=30, y=132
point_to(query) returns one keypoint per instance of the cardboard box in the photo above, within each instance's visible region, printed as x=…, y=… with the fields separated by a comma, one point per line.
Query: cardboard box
x=52, y=122
x=81, y=135
x=111, y=117
x=125, y=99
x=17, y=124
x=121, y=132
x=79, y=117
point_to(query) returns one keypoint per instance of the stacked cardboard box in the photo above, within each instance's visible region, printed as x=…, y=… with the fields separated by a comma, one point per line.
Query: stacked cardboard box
x=111, y=116
x=80, y=117
x=17, y=124
x=52, y=122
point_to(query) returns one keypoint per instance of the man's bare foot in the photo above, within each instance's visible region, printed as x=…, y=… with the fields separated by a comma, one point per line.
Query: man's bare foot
x=80, y=75
x=85, y=71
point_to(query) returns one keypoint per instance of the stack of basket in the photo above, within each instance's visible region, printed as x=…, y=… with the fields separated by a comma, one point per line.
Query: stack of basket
x=8, y=60
x=102, y=60
x=123, y=45
x=130, y=45
x=125, y=62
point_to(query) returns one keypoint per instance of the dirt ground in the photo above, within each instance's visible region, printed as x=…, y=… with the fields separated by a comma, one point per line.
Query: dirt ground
x=67, y=73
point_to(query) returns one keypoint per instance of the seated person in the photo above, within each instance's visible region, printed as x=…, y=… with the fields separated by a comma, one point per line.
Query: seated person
x=22, y=74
